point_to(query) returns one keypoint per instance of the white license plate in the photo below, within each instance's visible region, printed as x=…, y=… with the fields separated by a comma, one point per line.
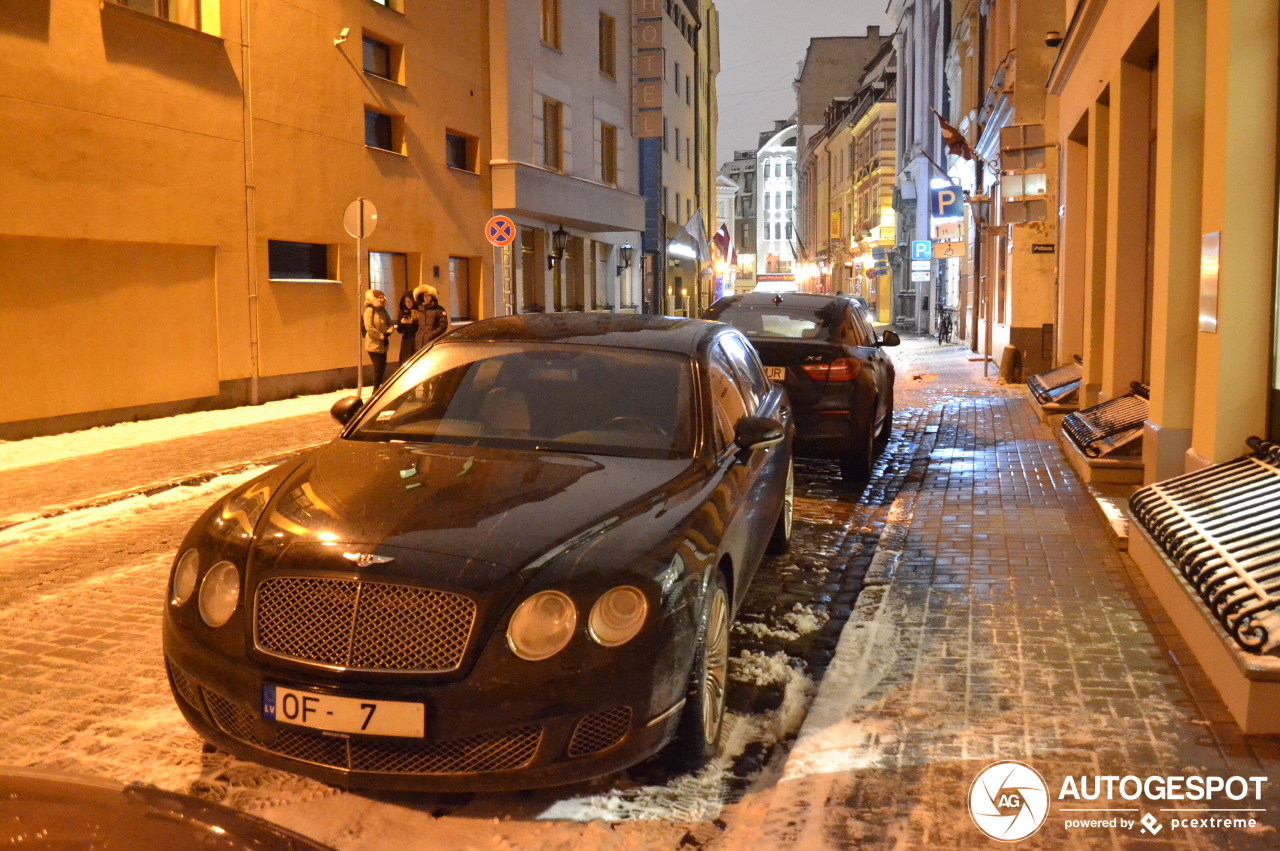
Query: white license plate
x=342, y=714
x=776, y=373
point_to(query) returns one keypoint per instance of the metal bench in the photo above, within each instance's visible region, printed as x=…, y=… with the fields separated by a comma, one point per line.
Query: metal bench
x=1057, y=385
x=1113, y=427
x=1221, y=527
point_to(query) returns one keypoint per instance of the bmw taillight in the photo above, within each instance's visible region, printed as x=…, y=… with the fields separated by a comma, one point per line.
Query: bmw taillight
x=840, y=369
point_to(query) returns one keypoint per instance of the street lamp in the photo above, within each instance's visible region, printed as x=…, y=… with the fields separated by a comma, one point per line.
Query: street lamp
x=624, y=254
x=559, y=242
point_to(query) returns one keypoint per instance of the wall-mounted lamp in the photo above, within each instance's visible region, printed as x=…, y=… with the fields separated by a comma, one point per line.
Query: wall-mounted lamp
x=343, y=34
x=559, y=242
x=624, y=254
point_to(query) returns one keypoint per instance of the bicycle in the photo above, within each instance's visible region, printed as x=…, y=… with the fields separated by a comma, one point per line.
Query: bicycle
x=945, y=325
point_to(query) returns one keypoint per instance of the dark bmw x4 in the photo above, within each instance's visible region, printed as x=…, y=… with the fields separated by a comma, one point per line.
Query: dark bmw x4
x=825, y=353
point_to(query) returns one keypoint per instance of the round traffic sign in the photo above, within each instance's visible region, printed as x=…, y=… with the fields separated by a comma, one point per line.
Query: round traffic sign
x=500, y=231
x=360, y=218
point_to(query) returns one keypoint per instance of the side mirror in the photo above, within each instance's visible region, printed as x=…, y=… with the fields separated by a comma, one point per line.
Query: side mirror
x=346, y=408
x=890, y=338
x=758, y=433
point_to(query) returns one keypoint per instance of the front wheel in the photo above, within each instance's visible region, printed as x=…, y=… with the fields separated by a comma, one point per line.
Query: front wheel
x=698, y=733
x=780, y=540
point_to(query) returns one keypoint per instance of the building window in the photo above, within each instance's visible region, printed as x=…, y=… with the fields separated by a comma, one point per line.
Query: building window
x=551, y=23
x=688, y=209
x=766, y=200
x=609, y=154
x=790, y=166
x=608, y=46
x=688, y=152
x=664, y=133
x=677, y=144
x=790, y=201
x=459, y=151
x=185, y=12
x=380, y=130
x=788, y=230
x=688, y=91
x=297, y=261
x=675, y=78
x=677, y=210
x=378, y=58
x=389, y=274
x=766, y=168
x=552, y=134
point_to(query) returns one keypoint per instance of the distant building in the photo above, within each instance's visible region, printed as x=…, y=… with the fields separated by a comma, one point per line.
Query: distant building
x=742, y=171
x=565, y=157
x=775, y=206
x=830, y=69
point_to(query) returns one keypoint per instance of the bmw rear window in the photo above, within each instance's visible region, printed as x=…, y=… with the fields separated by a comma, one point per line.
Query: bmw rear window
x=784, y=322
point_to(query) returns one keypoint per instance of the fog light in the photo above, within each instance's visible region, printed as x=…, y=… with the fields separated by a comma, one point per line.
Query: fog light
x=184, y=577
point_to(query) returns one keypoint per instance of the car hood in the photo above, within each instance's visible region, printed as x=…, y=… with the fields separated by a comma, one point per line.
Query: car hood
x=500, y=506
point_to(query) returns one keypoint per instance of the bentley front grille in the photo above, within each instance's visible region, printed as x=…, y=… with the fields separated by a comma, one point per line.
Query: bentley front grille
x=600, y=731
x=1113, y=427
x=1058, y=385
x=362, y=626
x=499, y=750
x=1221, y=527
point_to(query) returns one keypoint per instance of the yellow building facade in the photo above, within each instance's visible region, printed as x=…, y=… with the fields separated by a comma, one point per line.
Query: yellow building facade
x=1168, y=260
x=183, y=171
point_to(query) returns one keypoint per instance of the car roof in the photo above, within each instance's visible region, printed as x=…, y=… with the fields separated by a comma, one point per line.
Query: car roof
x=813, y=301
x=622, y=330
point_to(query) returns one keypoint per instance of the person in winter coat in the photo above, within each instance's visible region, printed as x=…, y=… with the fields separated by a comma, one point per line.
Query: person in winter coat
x=377, y=329
x=407, y=325
x=433, y=322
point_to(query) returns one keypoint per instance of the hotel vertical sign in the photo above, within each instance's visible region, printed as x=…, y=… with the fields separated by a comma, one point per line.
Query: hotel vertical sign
x=648, y=63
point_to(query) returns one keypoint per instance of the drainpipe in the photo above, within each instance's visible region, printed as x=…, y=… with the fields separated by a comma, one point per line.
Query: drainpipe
x=250, y=206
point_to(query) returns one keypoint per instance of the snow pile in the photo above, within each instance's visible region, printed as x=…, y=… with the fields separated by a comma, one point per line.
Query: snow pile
x=124, y=511
x=57, y=447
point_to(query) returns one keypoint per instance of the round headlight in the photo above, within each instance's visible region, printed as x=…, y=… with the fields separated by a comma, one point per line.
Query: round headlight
x=542, y=626
x=617, y=616
x=219, y=593
x=184, y=577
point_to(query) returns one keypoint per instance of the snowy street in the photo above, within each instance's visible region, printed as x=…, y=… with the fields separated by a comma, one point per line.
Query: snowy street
x=966, y=606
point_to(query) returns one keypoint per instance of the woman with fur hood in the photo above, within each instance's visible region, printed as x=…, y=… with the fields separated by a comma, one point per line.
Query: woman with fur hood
x=377, y=330
x=433, y=321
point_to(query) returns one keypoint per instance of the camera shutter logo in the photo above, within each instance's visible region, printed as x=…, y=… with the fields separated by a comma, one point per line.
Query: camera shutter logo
x=1008, y=801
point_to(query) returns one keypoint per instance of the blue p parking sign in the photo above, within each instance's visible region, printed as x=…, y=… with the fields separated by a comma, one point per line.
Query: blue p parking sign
x=921, y=249
x=946, y=202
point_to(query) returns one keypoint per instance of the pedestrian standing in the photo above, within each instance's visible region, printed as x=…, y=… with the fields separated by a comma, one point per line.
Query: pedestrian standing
x=407, y=325
x=433, y=321
x=377, y=329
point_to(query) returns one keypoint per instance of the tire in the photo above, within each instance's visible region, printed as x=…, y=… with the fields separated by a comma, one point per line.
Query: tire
x=698, y=733
x=780, y=540
x=857, y=465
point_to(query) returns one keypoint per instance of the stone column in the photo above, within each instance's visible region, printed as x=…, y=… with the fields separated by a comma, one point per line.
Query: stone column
x=1095, y=260
x=1127, y=219
x=1179, y=174
x=1239, y=201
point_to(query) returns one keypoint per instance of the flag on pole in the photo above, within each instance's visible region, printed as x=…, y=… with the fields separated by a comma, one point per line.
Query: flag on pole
x=721, y=241
x=953, y=139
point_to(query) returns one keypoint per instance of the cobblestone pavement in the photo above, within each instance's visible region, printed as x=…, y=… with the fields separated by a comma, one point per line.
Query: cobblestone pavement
x=1002, y=624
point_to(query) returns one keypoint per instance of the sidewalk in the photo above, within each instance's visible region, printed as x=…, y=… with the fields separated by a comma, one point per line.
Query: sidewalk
x=46, y=476
x=999, y=622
